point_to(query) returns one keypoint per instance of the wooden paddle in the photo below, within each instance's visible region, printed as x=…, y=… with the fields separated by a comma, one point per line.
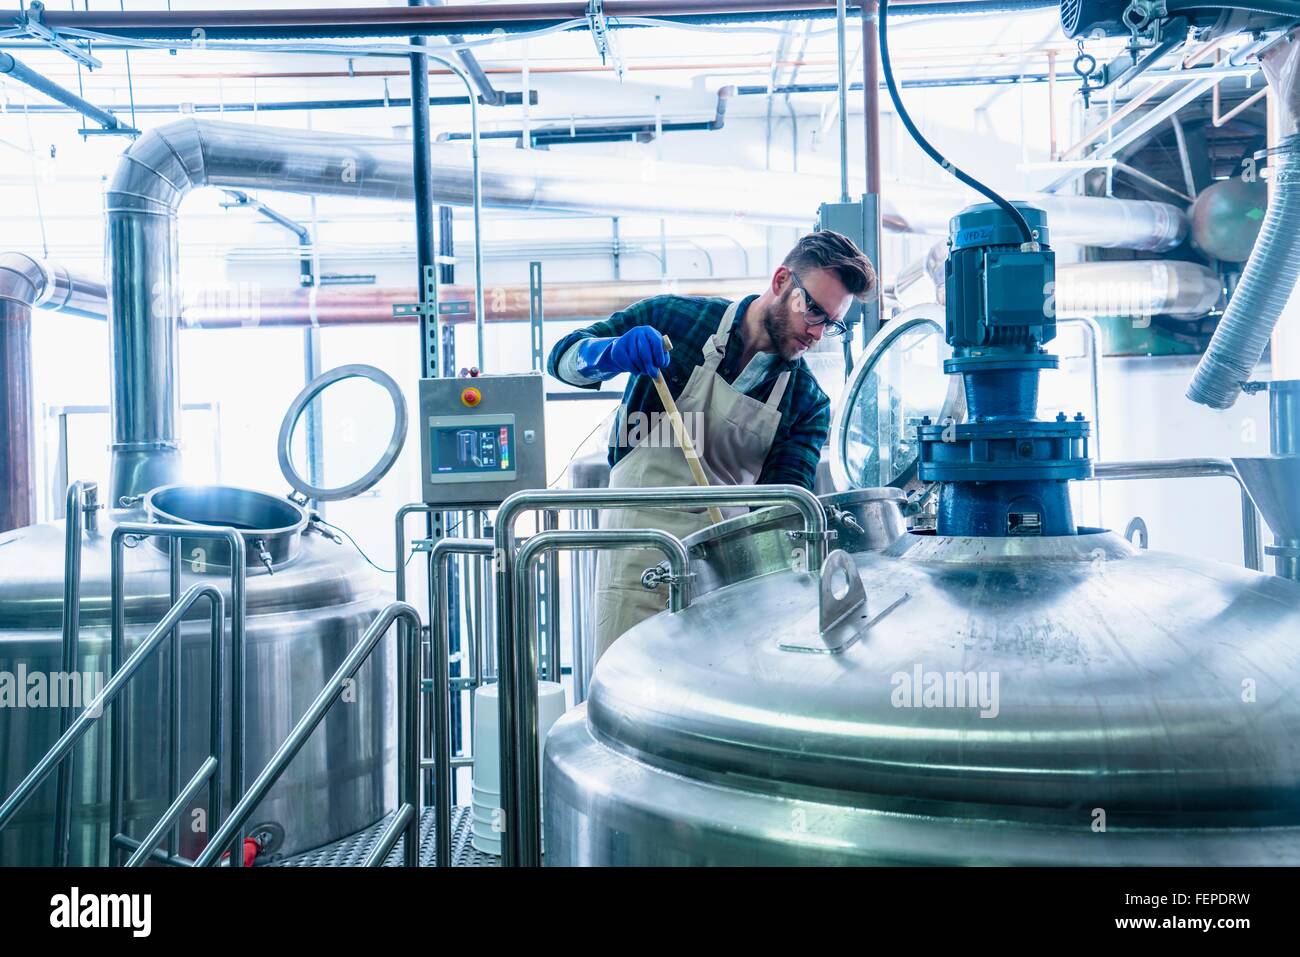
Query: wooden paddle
x=683, y=437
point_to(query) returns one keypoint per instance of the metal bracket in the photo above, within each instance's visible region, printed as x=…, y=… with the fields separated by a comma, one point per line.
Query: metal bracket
x=1137, y=533
x=426, y=310
x=32, y=22
x=535, y=317
x=803, y=535
x=604, y=40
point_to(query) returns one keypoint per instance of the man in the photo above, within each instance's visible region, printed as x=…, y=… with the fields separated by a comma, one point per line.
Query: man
x=753, y=408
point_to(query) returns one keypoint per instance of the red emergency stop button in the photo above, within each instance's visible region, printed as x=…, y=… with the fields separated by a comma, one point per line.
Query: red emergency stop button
x=471, y=397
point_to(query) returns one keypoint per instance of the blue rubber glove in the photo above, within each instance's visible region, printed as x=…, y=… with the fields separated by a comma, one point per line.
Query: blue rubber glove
x=639, y=351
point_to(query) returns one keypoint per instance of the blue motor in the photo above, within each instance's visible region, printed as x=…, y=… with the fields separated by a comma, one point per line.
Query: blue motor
x=1004, y=472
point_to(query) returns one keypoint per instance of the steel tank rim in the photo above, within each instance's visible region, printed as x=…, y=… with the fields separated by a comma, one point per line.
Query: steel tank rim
x=1110, y=704
x=657, y=816
x=283, y=542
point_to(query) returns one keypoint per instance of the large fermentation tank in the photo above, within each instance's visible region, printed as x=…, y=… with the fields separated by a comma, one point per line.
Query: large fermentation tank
x=301, y=622
x=1118, y=707
x=1044, y=699
x=309, y=598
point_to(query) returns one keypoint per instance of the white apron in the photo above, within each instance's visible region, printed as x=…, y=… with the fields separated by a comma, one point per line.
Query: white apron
x=733, y=436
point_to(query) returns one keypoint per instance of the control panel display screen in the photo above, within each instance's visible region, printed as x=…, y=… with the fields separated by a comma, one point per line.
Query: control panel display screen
x=472, y=448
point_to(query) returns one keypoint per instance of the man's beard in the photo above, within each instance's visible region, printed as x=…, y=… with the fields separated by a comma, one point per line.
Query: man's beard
x=778, y=324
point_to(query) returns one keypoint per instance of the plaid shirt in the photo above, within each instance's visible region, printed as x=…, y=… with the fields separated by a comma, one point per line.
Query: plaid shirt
x=689, y=321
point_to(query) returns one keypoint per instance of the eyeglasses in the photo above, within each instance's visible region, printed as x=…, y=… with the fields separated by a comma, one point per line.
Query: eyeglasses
x=815, y=314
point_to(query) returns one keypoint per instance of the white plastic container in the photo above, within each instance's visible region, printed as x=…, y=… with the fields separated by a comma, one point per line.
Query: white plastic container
x=487, y=761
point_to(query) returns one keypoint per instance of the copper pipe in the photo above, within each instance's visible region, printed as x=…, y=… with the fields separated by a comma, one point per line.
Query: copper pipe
x=341, y=306
x=1243, y=105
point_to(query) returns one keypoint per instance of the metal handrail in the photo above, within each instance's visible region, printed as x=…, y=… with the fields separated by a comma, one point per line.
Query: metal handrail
x=439, y=631
x=521, y=843
x=137, y=531
x=407, y=818
x=1252, y=549
x=93, y=712
x=79, y=518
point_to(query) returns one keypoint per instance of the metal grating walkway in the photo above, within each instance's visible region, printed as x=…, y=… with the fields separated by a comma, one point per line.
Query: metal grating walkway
x=351, y=851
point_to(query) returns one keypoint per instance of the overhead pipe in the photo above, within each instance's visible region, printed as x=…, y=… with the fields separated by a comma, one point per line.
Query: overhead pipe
x=1271, y=273
x=453, y=19
x=288, y=106
x=24, y=74
x=642, y=131
x=373, y=305
x=163, y=166
x=27, y=283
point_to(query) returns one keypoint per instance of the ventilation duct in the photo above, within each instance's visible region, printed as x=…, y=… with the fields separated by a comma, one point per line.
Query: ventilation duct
x=1270, y=276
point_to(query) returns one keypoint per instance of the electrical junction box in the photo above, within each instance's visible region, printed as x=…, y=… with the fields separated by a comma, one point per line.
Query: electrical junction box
x=482, y=438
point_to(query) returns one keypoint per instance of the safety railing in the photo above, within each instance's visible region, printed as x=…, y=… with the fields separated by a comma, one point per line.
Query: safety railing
x=129, y=534
x=209, y=773
x=439, y=630
x=1251, y=539
x=81, y=512
x=406, y=821
x=520, y=774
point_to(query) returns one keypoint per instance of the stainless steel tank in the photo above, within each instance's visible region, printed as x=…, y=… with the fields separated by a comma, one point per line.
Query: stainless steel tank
x=1008, y=701
x=301, y=622
x=1031, y=700
x=308, y=598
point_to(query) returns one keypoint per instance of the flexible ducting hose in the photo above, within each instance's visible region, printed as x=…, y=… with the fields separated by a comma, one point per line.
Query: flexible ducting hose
x=1266, y=285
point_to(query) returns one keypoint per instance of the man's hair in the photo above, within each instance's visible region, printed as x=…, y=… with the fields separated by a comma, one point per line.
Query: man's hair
x=826, y=249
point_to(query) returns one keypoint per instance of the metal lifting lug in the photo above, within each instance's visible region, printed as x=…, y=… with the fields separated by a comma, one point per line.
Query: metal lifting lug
x=130, y=501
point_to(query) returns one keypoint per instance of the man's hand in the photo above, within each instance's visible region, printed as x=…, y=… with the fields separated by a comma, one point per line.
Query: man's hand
x=639, y=351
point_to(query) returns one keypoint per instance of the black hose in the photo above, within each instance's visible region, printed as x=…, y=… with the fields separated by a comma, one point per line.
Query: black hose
x=888, y=70
x=1287, y=9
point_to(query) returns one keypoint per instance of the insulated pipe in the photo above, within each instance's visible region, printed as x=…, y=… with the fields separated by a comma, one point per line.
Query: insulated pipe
x=1160, y=287
x=160, y=168
x=24, y=283
x=1136, y=288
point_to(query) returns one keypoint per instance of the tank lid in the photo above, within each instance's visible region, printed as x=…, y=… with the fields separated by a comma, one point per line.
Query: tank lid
x=1055, y=677
x=306, y=404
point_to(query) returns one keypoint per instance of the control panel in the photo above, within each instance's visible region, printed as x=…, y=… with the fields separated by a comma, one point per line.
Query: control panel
x=482, y=438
